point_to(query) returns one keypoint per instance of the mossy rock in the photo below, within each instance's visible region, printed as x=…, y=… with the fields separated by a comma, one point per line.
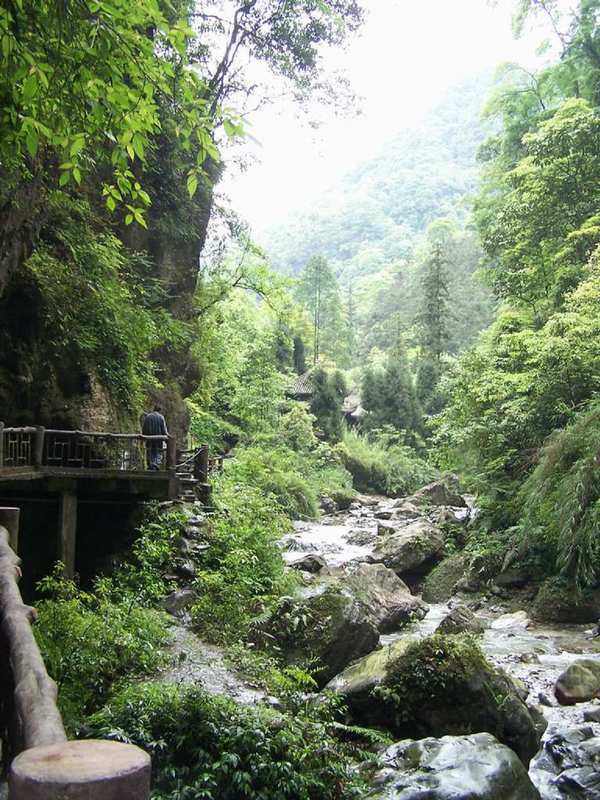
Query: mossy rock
x=557, y=601
x=443, y=685
x=439, y=584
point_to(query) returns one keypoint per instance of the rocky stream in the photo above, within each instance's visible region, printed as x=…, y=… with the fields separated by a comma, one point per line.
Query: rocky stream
x=377, y=578
x=404, y=538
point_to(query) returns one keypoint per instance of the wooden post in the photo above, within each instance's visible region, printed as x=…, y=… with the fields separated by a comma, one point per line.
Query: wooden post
x=9, y=519
x=87, y=769
x=1, y=445
x=67, y=531
x=171, y=453
x=201, y=464
x=38, y=446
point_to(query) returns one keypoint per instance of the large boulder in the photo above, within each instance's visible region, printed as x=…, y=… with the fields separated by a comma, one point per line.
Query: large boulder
x=579, y=682
x=311, y=562
x=357, y=682
x=556, y=601
x=475, y=767
x=439, y=686
x=387, y=600
x=568, y=767
x=437, y=493
x=460, y=619
x=412, y=550
x=325, y=622
x=440, y=584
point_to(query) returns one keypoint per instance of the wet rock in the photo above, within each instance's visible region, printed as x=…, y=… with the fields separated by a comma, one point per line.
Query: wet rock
x=411, y=550
x=592, y=715
x=538, y=717
x=357, y=682
x=468, y=584
x=403, y=509
x=545, y=700
x=438, y=493
x=325, y=621
x=449, y=516
x=183, y=545
x=386, y=598
x=467, y=694
x=512, y=578
x=568, y=768
x=475, y=767
x=383, y=513
x=312, y=562
x=361, y=536
x=185, y=568
x=557, y=602
x=441, y=583
x=579, y=682
x=178, y=602
x=518, y=619
x=460, y=619
x=328, y=505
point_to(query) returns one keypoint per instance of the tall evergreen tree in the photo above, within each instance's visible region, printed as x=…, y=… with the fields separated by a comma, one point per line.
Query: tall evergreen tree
x=433, y=316
x=318, y=292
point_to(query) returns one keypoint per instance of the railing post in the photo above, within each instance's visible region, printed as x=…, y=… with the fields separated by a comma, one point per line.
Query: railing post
x=171, y=453
x=1, y=445
x=38, y=446
x=201, y=464
x=86, y=769
x=9, y=519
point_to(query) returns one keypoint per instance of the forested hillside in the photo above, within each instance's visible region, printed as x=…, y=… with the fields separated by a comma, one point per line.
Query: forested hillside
x=373, y=216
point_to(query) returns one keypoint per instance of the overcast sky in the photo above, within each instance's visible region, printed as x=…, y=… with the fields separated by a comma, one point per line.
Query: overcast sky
x=407, y=55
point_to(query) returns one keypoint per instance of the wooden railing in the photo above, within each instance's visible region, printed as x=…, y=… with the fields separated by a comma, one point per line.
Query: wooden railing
x=41, y=762
x=198, y=464
x=39, y=447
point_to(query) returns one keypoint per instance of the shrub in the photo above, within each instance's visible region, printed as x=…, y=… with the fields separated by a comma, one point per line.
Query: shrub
x=208, y=747
x=141, y=576
x=243, y=570
x=90, y=644
x=391, y=469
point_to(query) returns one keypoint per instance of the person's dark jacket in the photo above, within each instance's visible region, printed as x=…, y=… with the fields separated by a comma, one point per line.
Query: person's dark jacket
x=154, y=425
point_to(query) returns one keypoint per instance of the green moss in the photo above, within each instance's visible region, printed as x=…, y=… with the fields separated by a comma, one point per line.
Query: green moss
x=431, y=672
x=440, y=582
x=559, y=601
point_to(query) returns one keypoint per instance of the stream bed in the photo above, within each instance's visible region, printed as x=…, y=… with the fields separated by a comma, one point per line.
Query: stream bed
x=534, y=654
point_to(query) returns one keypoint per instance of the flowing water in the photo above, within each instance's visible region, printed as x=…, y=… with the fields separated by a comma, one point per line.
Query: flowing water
x=533, y=654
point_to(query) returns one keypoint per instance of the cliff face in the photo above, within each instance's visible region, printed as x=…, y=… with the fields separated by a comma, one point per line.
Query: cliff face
x=63, y=386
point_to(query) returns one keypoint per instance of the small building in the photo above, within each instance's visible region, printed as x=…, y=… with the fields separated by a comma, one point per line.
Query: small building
x=302, y=388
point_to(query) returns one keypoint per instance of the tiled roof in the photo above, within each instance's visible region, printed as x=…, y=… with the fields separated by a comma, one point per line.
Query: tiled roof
x=302, y=386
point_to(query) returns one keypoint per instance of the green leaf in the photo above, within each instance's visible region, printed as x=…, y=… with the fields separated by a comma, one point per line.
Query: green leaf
x=110, y=203
x=65, y=177
x=30, y=87
x=32, y=141
x=77, y=145
x=128, y=219
x=192, y=184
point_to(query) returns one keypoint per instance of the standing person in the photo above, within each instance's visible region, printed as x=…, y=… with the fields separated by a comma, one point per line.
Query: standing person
x=154, y=424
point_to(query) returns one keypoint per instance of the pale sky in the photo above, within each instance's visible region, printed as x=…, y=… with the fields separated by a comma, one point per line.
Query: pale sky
x=405, y=58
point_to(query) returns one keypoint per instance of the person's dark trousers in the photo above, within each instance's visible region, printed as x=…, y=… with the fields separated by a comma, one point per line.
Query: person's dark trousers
x=154, y=456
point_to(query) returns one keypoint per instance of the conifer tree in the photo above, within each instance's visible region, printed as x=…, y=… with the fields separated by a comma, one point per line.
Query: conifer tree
x=432, y=319
x=318, y=292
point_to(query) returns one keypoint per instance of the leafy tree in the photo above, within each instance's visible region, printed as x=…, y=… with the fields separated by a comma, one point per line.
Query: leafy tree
x=329, y=390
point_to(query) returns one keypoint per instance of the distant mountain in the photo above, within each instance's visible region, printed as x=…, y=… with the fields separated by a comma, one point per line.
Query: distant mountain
x=372, y=217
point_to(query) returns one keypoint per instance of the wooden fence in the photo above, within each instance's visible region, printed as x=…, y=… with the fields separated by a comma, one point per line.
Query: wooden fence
x=40, y=761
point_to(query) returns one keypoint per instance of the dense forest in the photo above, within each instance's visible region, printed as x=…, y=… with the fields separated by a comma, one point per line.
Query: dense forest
x=433, y=319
